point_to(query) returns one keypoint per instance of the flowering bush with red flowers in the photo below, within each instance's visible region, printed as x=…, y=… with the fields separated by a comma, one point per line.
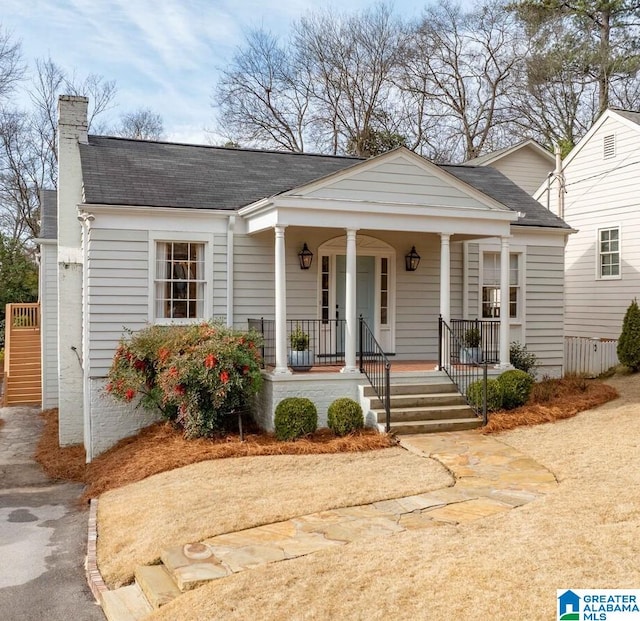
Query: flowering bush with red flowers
x=195, y=375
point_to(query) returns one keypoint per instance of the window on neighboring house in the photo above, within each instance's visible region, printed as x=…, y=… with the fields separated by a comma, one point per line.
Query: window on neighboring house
x=609, y=146
x=609, y=251
x=491, y=302
x=179, y=280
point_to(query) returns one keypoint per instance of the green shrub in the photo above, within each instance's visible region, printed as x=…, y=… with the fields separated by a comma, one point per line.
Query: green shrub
x=515, y=386
x=494, y=395
x=522, y=359
x=629, y=341
x=194, y=375
x=344, y=416
x=295, y=417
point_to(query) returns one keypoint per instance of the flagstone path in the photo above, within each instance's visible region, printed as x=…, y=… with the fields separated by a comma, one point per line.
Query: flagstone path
x=490, y=478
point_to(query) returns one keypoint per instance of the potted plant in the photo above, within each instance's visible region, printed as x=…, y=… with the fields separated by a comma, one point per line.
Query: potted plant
x=301, y=358
x=471, y=351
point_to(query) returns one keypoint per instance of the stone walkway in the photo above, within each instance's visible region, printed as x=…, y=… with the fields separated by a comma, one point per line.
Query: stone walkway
x=490, y=478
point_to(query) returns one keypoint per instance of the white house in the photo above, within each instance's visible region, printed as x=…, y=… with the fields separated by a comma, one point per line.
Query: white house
x=130, y=213
x=527, y=164
x=597, y=194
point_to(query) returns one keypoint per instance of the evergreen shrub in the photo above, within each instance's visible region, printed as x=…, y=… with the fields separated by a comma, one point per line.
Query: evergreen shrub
x=344, y=416
x=295, y=417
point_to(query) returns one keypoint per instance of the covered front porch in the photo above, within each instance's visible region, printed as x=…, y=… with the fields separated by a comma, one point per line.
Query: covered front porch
x=369, y=268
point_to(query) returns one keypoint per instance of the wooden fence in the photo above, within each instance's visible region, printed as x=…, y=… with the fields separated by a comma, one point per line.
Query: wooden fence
x=590, y=357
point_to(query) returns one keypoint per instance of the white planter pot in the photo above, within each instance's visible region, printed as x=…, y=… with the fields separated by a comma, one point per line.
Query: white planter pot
x=301, y=360
x=469, y=355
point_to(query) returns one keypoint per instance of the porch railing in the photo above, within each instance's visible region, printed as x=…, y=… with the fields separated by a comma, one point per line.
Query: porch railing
x=377, y=368
x=326, y=339
x=487, y=334
x=462, y=365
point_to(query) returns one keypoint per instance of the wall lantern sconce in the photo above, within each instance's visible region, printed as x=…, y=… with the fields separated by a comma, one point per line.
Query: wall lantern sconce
x=305, y=256
x=412, y=260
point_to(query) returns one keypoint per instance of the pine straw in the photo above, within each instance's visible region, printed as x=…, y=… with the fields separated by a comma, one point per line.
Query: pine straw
x=60, y=463
x=553, y=400
x=161, y=447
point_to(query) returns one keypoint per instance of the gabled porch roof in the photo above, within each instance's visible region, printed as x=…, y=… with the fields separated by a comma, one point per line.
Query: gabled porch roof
x=396, y=191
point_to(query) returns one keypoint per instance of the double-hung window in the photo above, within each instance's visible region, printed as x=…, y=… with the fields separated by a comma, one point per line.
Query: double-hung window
x=609, y=253
x=179, y=280
x=491, y=302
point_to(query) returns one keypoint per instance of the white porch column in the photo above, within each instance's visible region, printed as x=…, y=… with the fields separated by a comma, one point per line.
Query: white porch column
x=351, y=329
x=504, y=304
x=445, y=277
x=281, y=303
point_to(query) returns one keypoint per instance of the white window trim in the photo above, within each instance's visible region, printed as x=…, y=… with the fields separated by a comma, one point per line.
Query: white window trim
x=599, y=275
x=521, y=251
x=195, y=238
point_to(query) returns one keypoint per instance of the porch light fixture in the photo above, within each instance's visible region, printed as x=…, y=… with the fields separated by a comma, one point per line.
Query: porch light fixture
x=412, y=260
x=305, y=256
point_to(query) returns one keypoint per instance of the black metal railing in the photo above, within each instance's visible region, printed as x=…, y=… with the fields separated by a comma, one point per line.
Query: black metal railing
x=463, y=365
x=479, y=335
x=376, y=367
x=325, y=338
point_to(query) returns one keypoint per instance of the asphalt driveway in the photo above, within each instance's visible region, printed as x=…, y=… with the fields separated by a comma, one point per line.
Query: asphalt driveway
x=42, y=532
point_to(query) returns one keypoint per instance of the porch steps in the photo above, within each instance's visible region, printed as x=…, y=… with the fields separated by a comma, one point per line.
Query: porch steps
x=431, y=406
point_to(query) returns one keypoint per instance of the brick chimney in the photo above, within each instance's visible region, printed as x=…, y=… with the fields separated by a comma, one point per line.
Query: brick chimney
x=72, y=131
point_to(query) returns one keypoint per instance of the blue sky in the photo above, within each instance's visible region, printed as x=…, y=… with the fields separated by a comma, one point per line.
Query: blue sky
x=163, y=54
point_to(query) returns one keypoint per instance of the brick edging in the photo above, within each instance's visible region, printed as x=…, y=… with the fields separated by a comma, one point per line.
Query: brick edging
x=94, y=577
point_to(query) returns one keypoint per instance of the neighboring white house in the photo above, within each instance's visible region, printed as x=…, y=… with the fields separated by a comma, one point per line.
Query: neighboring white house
x=527, y=164
x=598, y=194
x=131, y=212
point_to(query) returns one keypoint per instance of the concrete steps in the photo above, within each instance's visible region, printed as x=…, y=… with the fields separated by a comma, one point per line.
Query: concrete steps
x=428, y=406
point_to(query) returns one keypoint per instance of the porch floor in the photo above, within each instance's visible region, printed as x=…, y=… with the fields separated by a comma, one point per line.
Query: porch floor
x=396, y=366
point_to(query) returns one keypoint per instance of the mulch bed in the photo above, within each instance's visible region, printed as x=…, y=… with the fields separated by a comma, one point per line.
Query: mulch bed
x=552, y=400
x=161, y=447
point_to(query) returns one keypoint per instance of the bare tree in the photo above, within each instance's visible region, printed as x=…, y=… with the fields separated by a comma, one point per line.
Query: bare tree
x=262, y=97
x=141, y=124
x=327, y=88
x=350, y=61
x=28, y=154
x=460, y=67
x=11, y=65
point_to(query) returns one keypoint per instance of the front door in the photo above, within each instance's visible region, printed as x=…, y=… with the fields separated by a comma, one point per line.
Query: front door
x=365, y=290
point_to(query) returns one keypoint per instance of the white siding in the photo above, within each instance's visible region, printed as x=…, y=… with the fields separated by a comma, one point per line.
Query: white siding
x=399, y=181
x=544, y=307
x=541, y=313
x=49, y=324
x=118, y=286
x=525, y=167
x=602, y=193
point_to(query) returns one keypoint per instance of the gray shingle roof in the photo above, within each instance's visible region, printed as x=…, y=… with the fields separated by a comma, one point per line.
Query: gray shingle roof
x=628, y=114
x=49, y=214
x=502, y=189
x=118, y=171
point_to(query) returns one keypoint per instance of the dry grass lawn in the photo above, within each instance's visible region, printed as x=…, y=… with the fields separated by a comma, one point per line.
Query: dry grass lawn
x=224, y=495
x=585, y=535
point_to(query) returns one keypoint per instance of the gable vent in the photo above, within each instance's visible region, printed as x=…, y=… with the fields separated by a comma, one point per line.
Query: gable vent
x=609, y=146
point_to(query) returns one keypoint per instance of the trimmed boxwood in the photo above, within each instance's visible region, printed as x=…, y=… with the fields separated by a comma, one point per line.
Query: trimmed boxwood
x=344, y=416
x=516, y=387
x=494, y=395
x=295, y=417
